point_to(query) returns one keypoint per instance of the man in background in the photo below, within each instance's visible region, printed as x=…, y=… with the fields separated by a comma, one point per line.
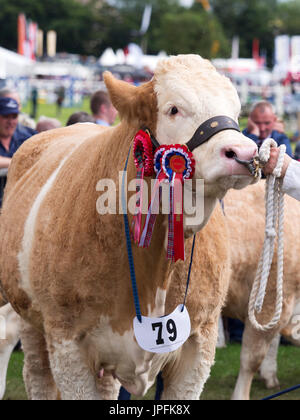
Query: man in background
x=12, y=134
x=263, y=124
x=23, y=119
x=46, y=124
x=103, y=111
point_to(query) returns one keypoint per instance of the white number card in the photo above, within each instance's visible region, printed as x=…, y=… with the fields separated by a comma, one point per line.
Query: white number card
x=163, y=335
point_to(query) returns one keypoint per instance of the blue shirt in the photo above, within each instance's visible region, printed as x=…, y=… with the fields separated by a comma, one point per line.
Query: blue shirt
x=297, y=151
x=21, y=134
x=280, y=139
x=103, y=123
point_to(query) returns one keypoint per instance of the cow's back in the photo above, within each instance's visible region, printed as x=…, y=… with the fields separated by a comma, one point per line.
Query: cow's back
x=38, y=168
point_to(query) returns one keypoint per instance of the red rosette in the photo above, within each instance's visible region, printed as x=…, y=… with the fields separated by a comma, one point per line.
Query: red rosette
x=175, y=158
x=143, y=152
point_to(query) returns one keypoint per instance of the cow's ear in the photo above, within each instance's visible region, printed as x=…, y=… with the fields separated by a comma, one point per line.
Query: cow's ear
x=133, y=103
x=122, y=94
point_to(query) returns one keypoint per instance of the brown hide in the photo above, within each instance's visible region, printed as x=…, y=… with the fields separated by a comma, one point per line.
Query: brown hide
x=78, y=265
x=2, y=301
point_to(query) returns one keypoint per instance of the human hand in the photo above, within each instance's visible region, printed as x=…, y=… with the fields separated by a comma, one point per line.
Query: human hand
x=252, y=127
x=272, y=162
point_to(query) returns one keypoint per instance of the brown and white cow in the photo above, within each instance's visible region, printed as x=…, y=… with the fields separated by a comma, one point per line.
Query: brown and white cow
x=64, y=268
x=246, y=222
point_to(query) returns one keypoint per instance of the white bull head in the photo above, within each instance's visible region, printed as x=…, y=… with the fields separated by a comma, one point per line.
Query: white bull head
x=185, y=92
x=189, y=92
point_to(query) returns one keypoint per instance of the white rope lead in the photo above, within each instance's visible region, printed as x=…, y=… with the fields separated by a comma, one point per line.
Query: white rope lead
x=274, y=227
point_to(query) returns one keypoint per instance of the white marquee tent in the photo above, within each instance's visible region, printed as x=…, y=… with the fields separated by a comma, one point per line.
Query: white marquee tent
x=13, y=64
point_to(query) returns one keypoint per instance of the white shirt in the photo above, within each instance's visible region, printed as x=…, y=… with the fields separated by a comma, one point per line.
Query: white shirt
x=291, y=182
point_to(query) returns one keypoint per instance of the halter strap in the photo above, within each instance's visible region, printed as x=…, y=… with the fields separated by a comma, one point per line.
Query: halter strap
x=205, y=132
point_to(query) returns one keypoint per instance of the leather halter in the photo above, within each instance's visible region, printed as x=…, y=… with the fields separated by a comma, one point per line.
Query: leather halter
x=210, y=128
x=206, y=131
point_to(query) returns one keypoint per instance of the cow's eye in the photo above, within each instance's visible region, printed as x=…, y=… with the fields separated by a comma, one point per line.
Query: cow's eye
x=174, y=110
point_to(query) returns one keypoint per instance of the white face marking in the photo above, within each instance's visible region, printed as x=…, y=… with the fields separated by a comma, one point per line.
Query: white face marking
x=198, y=93
x=29, y=228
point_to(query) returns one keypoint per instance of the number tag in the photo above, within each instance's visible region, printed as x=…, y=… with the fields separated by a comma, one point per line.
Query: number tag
x=163, y=335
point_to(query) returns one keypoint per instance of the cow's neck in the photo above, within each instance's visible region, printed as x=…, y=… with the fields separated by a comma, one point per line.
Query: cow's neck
x=210, y=200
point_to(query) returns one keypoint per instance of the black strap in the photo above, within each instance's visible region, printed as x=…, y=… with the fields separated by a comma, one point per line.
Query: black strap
x=155, y=143
x=210, y=128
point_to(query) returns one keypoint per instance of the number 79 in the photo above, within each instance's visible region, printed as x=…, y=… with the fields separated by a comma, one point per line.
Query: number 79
x=171, y=328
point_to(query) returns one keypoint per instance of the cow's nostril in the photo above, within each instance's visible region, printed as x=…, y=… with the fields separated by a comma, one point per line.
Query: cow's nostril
x=230, y=154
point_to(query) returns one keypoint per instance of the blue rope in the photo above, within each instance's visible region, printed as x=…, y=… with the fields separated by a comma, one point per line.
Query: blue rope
x=189, y=274
x=272, y=397
x=129, y=247
x=130, y=254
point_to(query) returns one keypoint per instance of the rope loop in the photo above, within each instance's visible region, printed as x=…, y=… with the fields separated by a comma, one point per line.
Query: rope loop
x=274, y=198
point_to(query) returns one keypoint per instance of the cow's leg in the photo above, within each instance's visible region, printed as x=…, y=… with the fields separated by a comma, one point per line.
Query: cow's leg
x=10, y=327
x=185, y=378
x=254, y=349
x=37, y=375
x=70, y=370
x=268, y=369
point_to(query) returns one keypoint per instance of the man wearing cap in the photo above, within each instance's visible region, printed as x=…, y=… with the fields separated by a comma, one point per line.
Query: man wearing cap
x=12, y=134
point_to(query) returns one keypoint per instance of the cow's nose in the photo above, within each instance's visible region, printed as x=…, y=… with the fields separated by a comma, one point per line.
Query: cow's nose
x=245, y=153
x=236, y=158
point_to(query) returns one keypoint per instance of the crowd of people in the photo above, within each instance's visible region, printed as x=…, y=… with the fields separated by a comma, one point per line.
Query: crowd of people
x=16, y=127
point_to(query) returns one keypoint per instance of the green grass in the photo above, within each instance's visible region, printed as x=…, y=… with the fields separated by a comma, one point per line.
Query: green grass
x=220, y=385
x=49, y=110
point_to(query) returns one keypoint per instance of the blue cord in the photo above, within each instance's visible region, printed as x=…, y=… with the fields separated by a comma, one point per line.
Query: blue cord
x=130, y=254
x=129, y=247
x=272, y=397
x=189, y=274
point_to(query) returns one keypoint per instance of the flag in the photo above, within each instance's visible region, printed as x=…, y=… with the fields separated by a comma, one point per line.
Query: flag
x=146, y=19
x=255, y=49
x=27, y=37
x=40, y=43
x=21, y=33
x=32, y=39
x=235, y=52
x=206, y=5
x=51, y=43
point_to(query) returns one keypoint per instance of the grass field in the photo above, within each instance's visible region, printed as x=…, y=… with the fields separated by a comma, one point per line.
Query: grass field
x=220, y=385
x=49, y=110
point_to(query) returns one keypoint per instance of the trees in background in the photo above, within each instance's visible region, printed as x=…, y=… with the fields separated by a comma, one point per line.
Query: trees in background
x=89, y=27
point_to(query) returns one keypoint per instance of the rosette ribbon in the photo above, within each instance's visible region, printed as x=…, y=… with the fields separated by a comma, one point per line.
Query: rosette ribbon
x=173, y=164
x=143, y=159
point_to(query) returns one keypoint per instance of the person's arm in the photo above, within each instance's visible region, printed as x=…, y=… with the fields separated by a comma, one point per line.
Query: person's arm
x=290, y=173
x=253, y=137
x=4, y=162
x=291, y=182
x=286, y=141
x=252, y=128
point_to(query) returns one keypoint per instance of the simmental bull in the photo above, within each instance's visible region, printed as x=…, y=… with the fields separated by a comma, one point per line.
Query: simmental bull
x=64, y=268
x=246, y=223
